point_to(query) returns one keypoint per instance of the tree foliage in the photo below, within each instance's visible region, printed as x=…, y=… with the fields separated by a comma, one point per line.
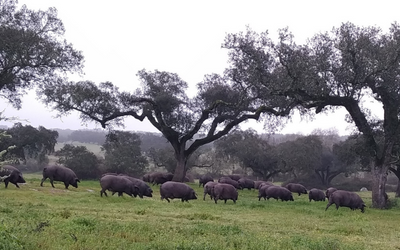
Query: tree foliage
x=302, y=156
x=84, y=163
x=341, y=68
x=4, y=149
x=123, y=153
x=29, y=142
x=163, y=157
x=32, y=50
x=252, y=152
x=353, y=152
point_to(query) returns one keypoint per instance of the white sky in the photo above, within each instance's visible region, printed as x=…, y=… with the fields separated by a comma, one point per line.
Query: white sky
x=118, y=38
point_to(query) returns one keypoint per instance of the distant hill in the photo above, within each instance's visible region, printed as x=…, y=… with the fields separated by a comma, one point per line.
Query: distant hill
x=97, y=136
x=151, y=139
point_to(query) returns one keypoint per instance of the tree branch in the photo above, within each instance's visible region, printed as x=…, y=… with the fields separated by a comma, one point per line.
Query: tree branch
x=395, y=171
x=199, y=142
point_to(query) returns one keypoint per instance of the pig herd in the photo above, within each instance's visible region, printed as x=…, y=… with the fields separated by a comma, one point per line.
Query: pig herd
x=267, y=190
x=225, y=189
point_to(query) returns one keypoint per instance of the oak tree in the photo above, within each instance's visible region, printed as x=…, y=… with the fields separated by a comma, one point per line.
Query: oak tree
x=253, y=152
x=301, y=156
x=338, y=156
x=29, y=142
x=83, y=162
x=220, y=105
x=341, y=68
x=122, y=153
x=33, y=50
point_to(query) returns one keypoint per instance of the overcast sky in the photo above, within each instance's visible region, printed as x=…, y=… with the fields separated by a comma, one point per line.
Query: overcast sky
x=119, y=38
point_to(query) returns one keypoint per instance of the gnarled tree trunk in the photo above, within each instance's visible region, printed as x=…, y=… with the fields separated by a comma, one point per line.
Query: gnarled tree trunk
x=326, y=176
x=181, y=159
x=180, y=170
x=379, y=178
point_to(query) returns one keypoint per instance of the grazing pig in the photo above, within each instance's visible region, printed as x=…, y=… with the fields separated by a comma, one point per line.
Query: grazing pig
x=330, y=191
x=160, y=178
x=228, y=180
x=246, y=183
x=208, y=189
x=172, y=189
x=108, y=174
x=59, y=173
x=204, y=179
x=277, y=192
x=117, y=184
x=316, y=195
x=262, y=188
x=225, y=192
x=233, y=176
x=258, y=183
x=143, y=188
x=348, y=199
x=296, y=188
x=261, y=191
x=146, y=178
x=11, y=174
x=188, y=178
x=265, y=184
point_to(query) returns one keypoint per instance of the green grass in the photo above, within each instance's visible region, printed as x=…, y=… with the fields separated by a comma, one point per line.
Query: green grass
x=35, y=217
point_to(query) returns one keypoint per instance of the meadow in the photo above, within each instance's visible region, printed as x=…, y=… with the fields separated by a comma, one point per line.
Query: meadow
x=35, y=217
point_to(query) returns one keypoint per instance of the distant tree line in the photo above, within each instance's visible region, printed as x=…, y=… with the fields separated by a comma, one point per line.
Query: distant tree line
x=149, y=140
x=84, y=136
x=318, y=158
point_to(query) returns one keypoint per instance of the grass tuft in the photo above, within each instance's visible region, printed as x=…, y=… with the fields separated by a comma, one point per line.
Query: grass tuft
x=65, y=213
x=201, y=216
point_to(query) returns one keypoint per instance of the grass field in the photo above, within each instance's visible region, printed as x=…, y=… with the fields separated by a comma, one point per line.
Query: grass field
x=35, y=217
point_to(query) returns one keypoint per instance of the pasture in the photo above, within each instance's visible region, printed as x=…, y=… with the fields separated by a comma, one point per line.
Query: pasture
x=35, y=217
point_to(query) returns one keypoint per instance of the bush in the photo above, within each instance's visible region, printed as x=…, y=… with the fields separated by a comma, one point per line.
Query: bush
x=84, y=163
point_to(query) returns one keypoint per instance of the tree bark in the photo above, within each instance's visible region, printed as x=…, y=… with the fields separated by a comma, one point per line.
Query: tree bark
x=398, y=189
x=379, y=178
x=180, y=170
x=396, y=171
x=319, y=176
